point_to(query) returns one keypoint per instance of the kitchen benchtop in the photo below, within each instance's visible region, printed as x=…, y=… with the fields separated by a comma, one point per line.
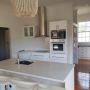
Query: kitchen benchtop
x=40, y=69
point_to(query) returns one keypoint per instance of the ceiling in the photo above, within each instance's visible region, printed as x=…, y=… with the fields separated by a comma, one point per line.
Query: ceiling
x=84, y=10
x=83, y=6
x=52, y=2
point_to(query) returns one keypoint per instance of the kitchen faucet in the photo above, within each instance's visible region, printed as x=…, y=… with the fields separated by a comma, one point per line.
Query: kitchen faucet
x=18, y=56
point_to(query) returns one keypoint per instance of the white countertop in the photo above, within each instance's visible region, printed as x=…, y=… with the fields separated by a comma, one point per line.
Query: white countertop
x=40, y=69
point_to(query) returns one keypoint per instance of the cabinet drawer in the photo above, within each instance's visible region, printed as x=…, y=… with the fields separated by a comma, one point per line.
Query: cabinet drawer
x=40, y=56
x=52, y=26
x=58, y=55
x=58, y=59
x=56, y=25
x=47, y=87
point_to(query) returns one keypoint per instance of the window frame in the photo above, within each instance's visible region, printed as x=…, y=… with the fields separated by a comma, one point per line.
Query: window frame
x=86, y=37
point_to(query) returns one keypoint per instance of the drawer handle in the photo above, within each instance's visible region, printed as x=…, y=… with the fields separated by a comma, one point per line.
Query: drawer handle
x=57, y=57
x=37, y=55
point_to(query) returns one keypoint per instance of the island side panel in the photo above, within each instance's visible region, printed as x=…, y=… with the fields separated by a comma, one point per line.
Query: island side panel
x=69, y=82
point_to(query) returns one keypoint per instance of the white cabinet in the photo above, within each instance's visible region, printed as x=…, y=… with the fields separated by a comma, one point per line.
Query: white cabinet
x=40, y=56
x=30, y=55
x=61, y=58
x=84, y=52
x=47, y=87
x=3, y=82
x=52, y=26
x=56, y=25
x=22, y=85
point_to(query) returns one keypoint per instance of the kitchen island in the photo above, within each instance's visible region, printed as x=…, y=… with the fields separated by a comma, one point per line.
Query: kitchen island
x=49, y=73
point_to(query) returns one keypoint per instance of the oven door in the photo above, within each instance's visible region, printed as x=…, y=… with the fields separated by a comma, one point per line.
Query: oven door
x=58, y=47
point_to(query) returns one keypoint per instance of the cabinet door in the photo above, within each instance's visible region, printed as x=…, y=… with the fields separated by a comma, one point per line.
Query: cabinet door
x=84, y=52
x=58, y=58
x=88, y=52
x=57, y=25
x=61, y=24
x=81, y=52
x=40, y=56
x=52, y=26
x=47, y=87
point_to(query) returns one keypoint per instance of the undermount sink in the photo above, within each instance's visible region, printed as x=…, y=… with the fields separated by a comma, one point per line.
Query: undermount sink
x=25, y=62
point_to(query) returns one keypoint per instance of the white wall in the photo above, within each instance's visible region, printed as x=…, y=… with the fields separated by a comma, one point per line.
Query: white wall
x=63, y=11
x=17, y=39
x=19, y=42
x=84, y=17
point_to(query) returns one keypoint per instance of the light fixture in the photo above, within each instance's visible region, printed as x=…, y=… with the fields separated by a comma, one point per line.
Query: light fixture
x=25, y=8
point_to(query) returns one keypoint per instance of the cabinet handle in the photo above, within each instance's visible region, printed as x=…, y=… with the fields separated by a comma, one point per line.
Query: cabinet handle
x=57, y=27
x=38, y=55
x=57, y=57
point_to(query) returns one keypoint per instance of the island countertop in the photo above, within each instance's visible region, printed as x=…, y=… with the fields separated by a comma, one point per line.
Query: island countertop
x=39, y=69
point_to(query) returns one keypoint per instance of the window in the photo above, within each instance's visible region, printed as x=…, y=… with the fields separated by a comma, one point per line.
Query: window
x=29, y=31
x=84, y=32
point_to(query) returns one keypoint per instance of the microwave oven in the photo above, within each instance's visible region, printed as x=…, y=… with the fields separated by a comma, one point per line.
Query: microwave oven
x=58, y=34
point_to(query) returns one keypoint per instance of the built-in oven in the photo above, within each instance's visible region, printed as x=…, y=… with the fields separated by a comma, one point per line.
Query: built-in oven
x=58, y=34
x=57, y=47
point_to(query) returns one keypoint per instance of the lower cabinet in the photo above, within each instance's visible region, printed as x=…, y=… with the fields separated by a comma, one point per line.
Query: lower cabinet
x=46, y=87
x=25, y=83
x=40, y=56
x=58, y=58
x=3, y=82
x=21, y=85
x=7, y=83
x=27, y=55
x=84, y=52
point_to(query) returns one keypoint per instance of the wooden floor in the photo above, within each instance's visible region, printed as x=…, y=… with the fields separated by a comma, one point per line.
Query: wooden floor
x=82, y=75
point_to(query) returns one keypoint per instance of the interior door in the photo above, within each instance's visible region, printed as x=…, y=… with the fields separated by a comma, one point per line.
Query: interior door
x=4, y=44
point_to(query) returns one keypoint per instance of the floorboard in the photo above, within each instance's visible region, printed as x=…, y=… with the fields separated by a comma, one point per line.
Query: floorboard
x=82, y=75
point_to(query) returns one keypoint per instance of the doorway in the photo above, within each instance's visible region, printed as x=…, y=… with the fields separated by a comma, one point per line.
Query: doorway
x=4, y=43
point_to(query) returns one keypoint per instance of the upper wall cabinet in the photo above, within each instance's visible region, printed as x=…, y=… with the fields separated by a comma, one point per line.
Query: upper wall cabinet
x=57, y=25
x=29, y=31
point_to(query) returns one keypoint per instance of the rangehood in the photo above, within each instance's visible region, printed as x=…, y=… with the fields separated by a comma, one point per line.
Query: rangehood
x=42, y=19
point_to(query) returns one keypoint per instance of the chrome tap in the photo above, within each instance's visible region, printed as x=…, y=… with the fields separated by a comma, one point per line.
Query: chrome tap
x=18, y=56
x=18, y=59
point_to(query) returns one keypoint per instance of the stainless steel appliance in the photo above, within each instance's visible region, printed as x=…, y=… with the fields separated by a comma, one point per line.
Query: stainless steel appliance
x=58, y=52
x=57, y=47
x=58, y=34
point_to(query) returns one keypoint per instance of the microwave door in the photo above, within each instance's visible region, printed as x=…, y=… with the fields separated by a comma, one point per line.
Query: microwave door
x=62, y=34
x=54, y=34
